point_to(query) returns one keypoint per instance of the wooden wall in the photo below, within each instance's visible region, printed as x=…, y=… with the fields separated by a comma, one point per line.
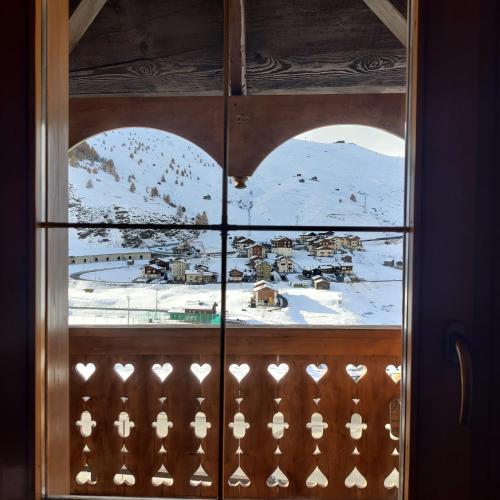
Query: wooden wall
x=454, y=157
x=17, y=216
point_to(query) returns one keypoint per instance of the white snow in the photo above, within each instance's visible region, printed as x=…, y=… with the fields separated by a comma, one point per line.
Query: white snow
x=274, y=195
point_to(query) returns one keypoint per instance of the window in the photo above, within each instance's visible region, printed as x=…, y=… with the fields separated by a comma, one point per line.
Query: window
x=264, y=312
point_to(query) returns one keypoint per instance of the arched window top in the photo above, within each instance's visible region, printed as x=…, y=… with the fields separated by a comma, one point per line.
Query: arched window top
x=337, y=175
x=142, y=175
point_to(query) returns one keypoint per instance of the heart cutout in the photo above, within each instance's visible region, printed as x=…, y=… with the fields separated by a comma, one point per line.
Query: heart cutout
x=85, y=370
x=317, y=478
x=356, y=372
x=162, y=371
x=200, y=478
x=393, y=372
x=239, y=478
x=278, y=371
x=239, y=372
x=124, y=476
x=162, y=477
x=392, y=480
x=124, y=371
x=277, y=478
x=355, y=478
x=86, y=476
x=201, y=371
x=316, y=372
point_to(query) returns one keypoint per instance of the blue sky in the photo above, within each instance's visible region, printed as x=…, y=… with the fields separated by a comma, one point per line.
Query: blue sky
x=367, y=137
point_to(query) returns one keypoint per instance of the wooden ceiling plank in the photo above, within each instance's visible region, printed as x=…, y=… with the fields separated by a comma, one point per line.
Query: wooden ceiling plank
x=391, y=17
x=81, y=19
x=237, y=41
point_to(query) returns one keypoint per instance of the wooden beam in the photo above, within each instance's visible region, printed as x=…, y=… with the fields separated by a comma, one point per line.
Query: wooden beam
x=391, y=17
x=241, y=341
x=258, y=124
x=81, y=19
x=289, y=49
x=237, y=48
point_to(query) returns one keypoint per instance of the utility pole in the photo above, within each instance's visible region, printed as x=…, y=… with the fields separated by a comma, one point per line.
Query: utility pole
x=128, y=309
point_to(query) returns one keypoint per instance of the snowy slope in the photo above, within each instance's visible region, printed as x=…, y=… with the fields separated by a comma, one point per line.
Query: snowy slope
x=148, y=159
x=335, y=178
x=190, y=182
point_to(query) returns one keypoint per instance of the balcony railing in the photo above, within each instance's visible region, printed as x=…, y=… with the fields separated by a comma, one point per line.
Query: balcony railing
x=309, y=412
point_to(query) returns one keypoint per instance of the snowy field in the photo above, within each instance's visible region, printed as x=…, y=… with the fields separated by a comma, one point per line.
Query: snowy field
x=344, y=304
x=105, y=293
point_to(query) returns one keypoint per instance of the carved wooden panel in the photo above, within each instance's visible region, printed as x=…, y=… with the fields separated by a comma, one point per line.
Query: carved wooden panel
x=313, y=452
x=318, y=419
x=142, y=442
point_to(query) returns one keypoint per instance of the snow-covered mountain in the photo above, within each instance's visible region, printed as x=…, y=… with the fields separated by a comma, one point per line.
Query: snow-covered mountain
x=144, y=175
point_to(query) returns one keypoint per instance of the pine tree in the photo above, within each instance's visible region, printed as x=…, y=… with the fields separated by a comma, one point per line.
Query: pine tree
x=163, y=178
x=201, y=219
x=89, y=184
x=132, y=187
x=167, y=199
x=154, y=193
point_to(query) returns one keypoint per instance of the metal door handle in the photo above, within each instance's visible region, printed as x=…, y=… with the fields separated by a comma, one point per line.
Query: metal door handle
x=459, y=349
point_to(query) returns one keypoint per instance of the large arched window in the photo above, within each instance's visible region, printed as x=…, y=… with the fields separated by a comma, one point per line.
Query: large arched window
x=124, y=184
x=335, y=175
x=142, y=175
x=345, y=179
x=140, y=273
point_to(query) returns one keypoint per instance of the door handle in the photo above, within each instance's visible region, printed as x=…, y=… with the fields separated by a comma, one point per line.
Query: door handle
x=459, y=351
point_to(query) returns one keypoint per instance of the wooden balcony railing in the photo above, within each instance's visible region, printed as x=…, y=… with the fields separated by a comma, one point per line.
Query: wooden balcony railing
x=318, y=431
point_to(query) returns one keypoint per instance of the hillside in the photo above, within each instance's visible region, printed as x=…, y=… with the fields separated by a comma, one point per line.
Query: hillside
x=143, y=175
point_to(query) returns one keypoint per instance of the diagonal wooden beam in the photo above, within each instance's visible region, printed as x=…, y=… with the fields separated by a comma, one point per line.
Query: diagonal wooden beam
x=237, y=50
x=82, y=18
x=391, y=17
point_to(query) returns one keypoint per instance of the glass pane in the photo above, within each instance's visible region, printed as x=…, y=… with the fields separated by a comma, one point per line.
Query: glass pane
x=144, y=315
x=137, y=276
x=146, y=145
x=313, y=344
x=315, y=278
x=339, y=175
x=141, y=175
